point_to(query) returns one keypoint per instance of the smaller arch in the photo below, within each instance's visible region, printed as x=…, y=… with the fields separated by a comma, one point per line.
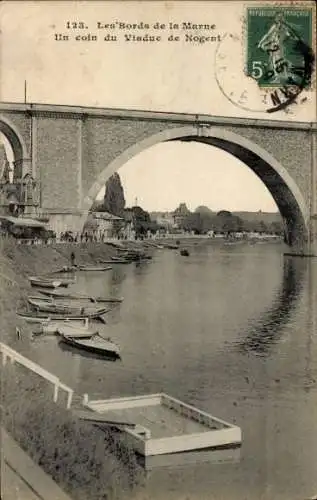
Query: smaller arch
x=16, y=140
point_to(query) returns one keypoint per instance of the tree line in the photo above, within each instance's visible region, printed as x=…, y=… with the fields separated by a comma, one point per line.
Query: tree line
x=201, y=221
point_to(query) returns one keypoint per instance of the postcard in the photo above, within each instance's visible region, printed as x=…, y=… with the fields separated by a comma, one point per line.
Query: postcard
x=158, y=245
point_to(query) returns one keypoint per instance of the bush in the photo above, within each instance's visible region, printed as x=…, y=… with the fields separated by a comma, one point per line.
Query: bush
x=80, y=457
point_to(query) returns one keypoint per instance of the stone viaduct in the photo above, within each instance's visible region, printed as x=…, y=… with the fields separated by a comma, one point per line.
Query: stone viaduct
x=72, y=151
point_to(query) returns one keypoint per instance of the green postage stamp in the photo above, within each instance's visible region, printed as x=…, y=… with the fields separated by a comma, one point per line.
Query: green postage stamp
x=279, y=45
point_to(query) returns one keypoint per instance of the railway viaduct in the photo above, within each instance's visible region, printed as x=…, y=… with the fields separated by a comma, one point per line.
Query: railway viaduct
x=71, y=151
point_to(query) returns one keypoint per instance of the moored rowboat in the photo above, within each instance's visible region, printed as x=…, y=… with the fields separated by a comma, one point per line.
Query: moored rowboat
x=75, y=328
x=94, y=268
x=115, y=261
x=78, y=296
x=44, y=282
x=39, y=317
x=65, y=282
x=64, y=308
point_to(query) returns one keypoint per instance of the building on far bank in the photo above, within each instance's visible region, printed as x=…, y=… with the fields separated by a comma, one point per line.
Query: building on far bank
x=163, y=219
x=103, y=224
x=180, y=215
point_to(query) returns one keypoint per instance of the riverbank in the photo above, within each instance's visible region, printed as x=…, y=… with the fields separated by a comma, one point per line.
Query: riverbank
x=19, y=261
x=80, y=458
x=83, y=460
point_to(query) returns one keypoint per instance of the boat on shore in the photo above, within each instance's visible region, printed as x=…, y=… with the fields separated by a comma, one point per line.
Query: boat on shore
x=116, y=260
x=134, y=255
x=65, y=282
x=171, y=246
x=120, y=260
x=78, y=329
x=78, y=296
x=74, y=330
x=49, y=282
x=40, y=317
x=51, y=306
x=94, y=268
x=65, y=269
x=44, y=282
x=95, y=344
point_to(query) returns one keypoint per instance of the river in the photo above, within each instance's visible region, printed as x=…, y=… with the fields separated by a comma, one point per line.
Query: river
x=230, y=329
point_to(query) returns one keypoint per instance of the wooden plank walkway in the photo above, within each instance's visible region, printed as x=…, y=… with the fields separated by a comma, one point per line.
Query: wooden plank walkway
x=21, y=478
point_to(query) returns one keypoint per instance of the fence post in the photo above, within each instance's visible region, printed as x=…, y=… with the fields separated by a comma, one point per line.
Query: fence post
x=69, y=399
x=55, y=392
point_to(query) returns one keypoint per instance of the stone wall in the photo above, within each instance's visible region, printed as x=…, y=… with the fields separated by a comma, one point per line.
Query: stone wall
x=58, y=162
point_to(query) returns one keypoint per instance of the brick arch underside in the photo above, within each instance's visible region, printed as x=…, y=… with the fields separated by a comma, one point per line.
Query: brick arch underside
x=275, y=177
x=15, y=139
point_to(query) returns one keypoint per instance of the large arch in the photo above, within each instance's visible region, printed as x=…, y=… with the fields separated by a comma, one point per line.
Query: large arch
x=281, y=185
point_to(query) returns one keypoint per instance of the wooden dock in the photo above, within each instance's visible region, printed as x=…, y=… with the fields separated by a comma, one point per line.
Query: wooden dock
x=155, y=424
x=166, y=425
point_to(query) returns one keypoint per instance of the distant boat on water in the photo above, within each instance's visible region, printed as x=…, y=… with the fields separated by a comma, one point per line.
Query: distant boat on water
x=184, y=252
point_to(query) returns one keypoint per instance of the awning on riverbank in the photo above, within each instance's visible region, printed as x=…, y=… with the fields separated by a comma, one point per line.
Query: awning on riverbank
x=23, y=222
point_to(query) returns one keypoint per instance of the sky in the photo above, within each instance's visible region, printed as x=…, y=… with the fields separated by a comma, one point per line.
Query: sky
x=218, y=181
x=197, y=76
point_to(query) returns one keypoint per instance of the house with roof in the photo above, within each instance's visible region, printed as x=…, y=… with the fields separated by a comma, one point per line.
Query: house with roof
x=103, y=225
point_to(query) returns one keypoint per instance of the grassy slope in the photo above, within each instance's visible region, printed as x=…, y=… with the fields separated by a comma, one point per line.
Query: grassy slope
x=76, y=455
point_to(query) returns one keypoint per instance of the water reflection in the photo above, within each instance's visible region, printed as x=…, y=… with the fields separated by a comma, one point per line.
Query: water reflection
x=269, y=326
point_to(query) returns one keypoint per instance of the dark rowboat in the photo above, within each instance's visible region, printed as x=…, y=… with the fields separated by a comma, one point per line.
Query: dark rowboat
x=184, y=252
x=95, y=344
x=170, y=246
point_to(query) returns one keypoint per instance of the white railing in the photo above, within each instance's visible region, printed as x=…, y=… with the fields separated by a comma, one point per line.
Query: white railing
x=13, y=356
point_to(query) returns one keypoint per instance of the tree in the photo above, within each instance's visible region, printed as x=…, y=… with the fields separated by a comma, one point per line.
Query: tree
x=142, y=221
x=193, y=222
x=228, y=223
x=114, y=201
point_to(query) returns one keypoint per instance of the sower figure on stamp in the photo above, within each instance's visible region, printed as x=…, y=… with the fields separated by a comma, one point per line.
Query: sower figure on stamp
x=273, y=42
